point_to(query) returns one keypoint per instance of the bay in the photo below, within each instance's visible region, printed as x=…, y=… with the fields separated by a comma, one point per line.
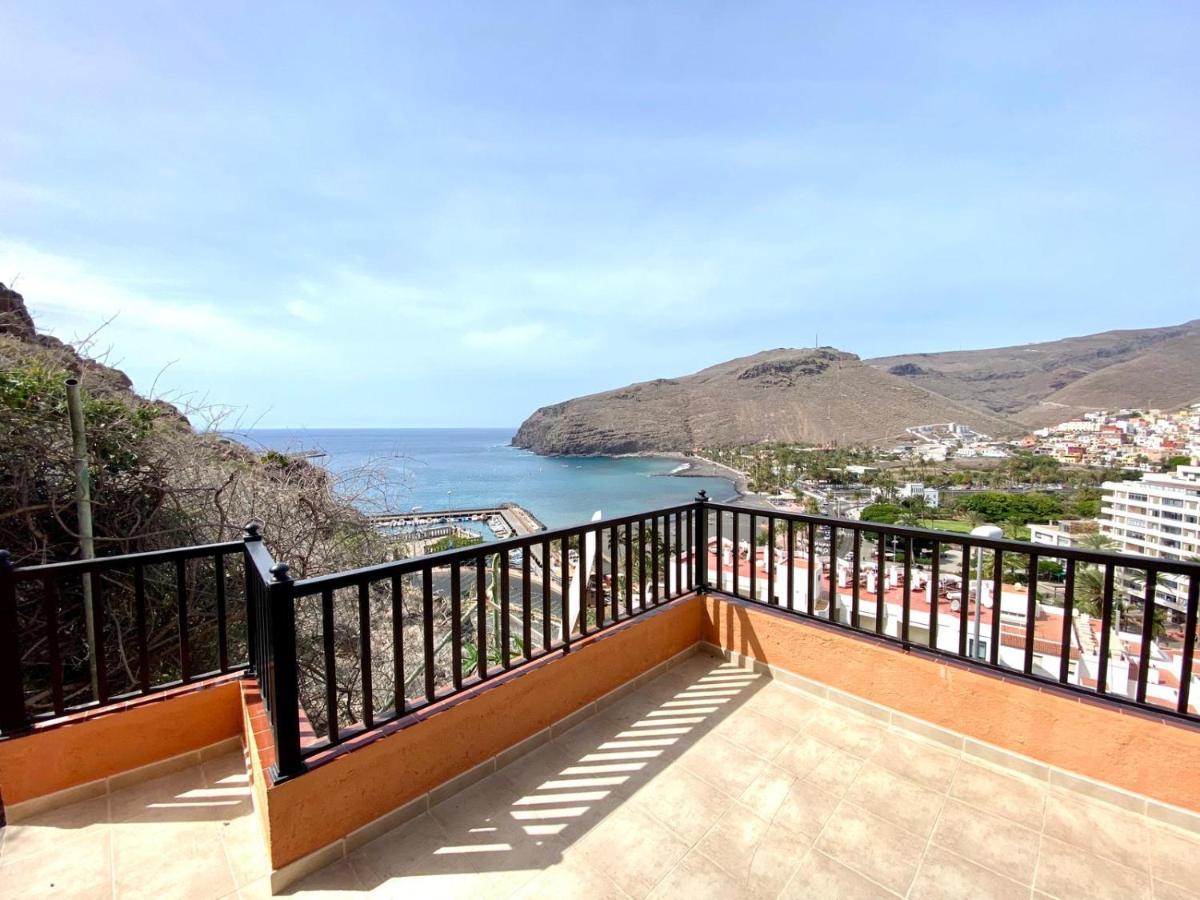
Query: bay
x=397, y=469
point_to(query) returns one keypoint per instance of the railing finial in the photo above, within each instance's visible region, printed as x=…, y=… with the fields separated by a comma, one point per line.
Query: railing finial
x=279, y=572
x=702, y=497
x=5, y=560
x=252, y=531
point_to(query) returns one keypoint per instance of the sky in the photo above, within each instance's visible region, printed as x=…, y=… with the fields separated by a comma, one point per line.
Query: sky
x=450, y=214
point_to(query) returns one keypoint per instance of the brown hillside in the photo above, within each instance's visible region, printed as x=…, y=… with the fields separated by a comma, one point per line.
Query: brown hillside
x=820, y=396
x=1050, y=382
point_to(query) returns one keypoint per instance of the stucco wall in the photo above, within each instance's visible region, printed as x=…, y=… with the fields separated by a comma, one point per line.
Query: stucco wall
x=87, y=747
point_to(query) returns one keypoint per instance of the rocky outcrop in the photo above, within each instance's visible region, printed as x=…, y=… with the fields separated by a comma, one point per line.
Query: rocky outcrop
x=820, y=396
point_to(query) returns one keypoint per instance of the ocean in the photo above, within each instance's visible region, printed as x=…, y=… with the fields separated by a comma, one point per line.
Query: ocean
x=398, y=469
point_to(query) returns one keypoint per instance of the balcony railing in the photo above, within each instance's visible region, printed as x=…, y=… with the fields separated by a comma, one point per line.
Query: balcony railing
x=339, y=656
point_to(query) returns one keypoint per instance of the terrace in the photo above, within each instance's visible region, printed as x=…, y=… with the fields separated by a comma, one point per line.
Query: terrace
x=658, y=708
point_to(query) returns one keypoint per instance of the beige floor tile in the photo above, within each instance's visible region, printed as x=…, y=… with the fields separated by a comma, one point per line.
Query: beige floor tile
x=572, y=879
x=836, y=772
x=339, y=879
x=83, y=868
x=947, y=876
x=803, y=754
x=228, y=770
x=1105, y=830
x=767, y=792
x=791, y=707
x=885, y=853
x=536, y=768
x=480, y=806
x=1164, y=890
x=924, y=762
x=760, y=855
x=1068, y=871
x=638, y=851
x=421, y=843
x=761, y=735
x=900, y=801
x=55, y=829
x=998, y=844
x=820, y=878
x=723, y=764
x=1175, y=856
x=851, y=733
x=696, y=877
x=806, y=808
x=246, y=849
x=683, y=802
x=162, y=798
x=162, y=862
x=1010, y=796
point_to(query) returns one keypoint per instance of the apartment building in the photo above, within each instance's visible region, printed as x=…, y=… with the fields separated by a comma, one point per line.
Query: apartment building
x=1157, y=516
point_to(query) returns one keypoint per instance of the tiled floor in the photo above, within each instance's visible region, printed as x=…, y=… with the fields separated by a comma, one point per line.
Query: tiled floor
x=709, y=782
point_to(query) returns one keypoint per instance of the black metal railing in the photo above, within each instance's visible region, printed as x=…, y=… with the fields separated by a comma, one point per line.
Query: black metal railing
x=158, y=620
x=944, y=593
x=340, y=655
x=421, y=630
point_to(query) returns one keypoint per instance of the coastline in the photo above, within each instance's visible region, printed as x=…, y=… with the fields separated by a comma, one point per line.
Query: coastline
x=692, y=466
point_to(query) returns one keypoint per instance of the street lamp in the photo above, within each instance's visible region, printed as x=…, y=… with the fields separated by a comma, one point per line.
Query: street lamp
x=991, y=532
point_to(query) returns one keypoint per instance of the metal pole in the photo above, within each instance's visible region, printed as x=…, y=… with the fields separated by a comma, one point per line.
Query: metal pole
x=978, y=602
x=83, y=506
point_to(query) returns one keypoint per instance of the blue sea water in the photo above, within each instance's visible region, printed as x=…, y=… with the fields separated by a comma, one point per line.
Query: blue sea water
x=397, y=469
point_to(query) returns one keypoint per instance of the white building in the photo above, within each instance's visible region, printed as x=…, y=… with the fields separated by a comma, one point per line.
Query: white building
x=1158, y=516
x=1062, y=534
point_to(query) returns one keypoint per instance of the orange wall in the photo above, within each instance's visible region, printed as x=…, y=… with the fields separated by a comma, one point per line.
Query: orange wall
x=352, y=789
x=107, y=742
x=1131, y=751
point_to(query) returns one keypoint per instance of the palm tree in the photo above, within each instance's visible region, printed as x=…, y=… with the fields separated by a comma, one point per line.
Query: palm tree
x=1089, y=599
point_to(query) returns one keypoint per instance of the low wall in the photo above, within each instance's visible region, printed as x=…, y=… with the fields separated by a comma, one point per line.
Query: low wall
x=1131, y=750
x=418, y=753
x=87, y=747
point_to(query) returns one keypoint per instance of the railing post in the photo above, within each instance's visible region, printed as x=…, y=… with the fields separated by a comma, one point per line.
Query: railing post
x=251, y=534
x=701, y=548
x=12, y=686
x=285, y=707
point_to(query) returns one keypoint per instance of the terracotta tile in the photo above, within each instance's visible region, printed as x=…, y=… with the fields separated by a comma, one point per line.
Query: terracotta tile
x=820, y=878
x=900, y=801
x=1099, y=828
x=998, y=844
x=1010, y=796
x=1068, y=871
x=947, y=876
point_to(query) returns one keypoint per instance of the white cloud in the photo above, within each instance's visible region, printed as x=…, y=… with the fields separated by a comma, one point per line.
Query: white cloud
x=309, y=312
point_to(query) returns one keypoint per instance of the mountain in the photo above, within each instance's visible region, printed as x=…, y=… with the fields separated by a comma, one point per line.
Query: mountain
x=1051, y=382
x=814, y=396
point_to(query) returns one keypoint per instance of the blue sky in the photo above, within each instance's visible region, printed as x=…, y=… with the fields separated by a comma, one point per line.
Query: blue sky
x=450, y=214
